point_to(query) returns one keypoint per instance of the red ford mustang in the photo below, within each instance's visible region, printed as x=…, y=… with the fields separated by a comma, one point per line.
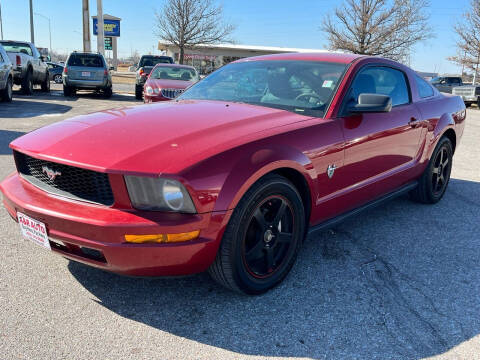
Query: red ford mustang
x=232, y=175
x=167, y=81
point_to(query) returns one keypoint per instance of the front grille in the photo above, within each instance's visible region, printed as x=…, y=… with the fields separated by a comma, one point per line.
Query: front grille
x=68, y=181
x=171, y=93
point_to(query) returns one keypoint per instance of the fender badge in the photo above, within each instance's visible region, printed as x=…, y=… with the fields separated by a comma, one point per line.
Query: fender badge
x=331, y=170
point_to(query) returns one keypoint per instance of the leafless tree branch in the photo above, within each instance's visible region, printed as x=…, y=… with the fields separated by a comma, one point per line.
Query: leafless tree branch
x=468, y=39
x=386, y=28
x=188, y=23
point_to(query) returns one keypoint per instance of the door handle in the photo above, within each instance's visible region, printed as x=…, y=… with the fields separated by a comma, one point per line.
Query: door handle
x=413, y=122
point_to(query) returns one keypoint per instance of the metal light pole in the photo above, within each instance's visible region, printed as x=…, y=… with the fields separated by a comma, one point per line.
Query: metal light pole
x=1, y=22
x=86, y=26
x=49, y=28
x=100, y=38
x=32, y=34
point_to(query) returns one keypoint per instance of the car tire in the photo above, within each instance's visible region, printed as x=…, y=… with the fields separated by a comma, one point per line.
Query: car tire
x=57, y=78
x=261, y=242
x=7, y=93
x=27, y=83
x=107, y=92
x=138, y=92
x=68, y=91
x=46, y=83
x=434, y=180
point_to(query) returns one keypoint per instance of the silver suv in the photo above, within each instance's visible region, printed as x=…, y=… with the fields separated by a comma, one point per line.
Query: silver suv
x=86, y=71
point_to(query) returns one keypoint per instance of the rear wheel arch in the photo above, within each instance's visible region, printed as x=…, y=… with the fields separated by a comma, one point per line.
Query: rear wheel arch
x=452, y=136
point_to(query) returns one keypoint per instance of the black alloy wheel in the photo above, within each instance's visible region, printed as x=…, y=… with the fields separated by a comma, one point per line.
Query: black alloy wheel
x=434, y=180
x=262, y=238
x=441, y=171
x=268, y=238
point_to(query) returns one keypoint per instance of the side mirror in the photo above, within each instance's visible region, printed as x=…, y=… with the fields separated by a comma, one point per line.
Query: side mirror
x=371, y=103
x=42, y=58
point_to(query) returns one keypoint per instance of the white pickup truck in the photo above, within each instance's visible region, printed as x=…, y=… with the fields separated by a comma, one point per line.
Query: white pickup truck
x=29, y=67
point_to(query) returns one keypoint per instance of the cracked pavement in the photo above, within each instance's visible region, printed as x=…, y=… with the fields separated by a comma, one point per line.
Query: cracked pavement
x=401, y=281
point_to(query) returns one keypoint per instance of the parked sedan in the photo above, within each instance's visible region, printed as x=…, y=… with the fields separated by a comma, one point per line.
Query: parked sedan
x=6, y=76
x=145, y=65
x=55, y=71
x=232, y=175
x=167, y=81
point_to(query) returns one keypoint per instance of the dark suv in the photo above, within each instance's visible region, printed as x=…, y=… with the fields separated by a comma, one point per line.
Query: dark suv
x=86, y=71
x=145, y=65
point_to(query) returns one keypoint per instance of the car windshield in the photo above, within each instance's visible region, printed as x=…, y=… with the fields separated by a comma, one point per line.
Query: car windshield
x=86, y=60
x=436, y=80
x=174, y=73
x=299, y=86
x=17, y=47
x=153, y=60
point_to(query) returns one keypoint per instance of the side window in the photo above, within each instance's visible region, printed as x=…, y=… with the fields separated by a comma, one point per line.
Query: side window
x=382, y=80
x=1, y=58
x=36, y=54
x=424, y=88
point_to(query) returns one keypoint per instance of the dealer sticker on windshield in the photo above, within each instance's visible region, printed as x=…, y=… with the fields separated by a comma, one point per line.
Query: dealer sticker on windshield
x=33, y=230
x=327, y=83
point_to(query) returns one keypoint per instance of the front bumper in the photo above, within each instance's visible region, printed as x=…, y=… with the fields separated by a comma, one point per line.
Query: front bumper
x=154, y=98
x=94, y=234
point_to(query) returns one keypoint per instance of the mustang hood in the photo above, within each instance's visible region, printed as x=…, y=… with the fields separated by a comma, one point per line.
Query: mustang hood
x=152, y=139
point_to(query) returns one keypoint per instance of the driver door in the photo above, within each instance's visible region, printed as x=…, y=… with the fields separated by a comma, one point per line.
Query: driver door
x=380, y=148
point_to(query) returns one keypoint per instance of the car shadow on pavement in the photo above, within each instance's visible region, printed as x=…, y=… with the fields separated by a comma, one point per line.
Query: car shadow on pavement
x=6, y=137
x=400, y=281
x=22, y=107
x=99, y=96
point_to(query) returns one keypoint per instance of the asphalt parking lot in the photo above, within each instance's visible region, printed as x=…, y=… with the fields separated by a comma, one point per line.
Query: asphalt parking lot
x=399, y=282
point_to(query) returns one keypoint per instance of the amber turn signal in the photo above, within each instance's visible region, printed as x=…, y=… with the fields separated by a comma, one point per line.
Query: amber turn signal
x=162, y=238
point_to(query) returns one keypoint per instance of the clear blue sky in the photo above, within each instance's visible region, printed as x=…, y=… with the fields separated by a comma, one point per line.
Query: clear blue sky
x=259, y=22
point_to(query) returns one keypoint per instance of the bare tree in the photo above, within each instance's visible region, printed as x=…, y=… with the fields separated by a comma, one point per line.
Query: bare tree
x=188, y=23
x=468, y=43
x=386, y=28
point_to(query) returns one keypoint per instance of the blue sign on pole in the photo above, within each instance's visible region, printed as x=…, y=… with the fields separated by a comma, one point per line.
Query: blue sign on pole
x=111, y=27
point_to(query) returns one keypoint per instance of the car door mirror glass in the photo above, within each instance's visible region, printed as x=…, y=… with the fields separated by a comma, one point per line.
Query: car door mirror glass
x=371, y=103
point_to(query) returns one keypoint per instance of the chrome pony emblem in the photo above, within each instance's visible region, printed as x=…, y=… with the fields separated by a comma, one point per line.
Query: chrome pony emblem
x=51, y=174
x=331, y=170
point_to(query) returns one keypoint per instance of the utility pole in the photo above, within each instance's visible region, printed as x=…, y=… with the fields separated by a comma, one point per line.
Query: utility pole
x=1, y=22
x=100, y=38
x=32, y=35
x=86, y=27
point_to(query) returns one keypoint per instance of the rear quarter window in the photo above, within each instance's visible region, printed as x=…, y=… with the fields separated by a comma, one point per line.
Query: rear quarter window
x=423, y=87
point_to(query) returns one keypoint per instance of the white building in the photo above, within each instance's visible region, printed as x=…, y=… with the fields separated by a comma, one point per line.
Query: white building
x=207, y=58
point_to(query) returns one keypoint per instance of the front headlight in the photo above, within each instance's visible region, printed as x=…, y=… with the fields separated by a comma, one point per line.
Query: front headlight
x=149, y=90
x=159, y=194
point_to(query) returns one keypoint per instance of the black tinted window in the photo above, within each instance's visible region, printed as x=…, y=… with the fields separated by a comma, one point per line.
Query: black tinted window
x=87, y=60
x=382, y=80
x=424, y=88
x=154, y=60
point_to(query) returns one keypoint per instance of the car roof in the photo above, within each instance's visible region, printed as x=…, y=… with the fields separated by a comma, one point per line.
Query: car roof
x=156, y=56
x=326, y=56
x=175, y=65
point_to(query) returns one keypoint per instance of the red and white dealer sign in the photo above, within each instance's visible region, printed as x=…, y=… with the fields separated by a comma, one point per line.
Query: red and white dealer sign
x=33, y=230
